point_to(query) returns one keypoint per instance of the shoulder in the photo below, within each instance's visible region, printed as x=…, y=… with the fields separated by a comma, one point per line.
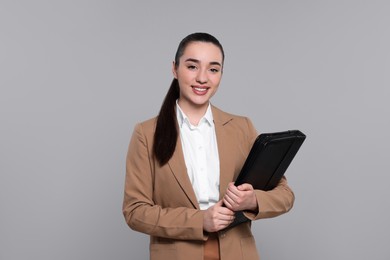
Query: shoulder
x=149, y=123
x=145, y=129
x=236, y=123
x=225, y=117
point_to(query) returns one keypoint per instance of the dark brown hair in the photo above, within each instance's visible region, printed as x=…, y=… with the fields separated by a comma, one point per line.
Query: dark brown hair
x=166, y=134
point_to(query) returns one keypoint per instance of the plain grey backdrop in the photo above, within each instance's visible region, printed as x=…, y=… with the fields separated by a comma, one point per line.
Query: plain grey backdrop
x=76, y=76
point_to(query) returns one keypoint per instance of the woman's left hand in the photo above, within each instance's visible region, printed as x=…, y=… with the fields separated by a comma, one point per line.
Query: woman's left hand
x=240, y=198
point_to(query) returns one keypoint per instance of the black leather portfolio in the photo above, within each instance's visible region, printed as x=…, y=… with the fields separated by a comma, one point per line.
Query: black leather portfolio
x=268, y=160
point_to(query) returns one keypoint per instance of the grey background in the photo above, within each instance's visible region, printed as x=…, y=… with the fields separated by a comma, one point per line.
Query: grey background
x=77, y=75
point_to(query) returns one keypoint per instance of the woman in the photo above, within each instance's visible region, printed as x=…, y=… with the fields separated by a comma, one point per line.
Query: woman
x=181, y=166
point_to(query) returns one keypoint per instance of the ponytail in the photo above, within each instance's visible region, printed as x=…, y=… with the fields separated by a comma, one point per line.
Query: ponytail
x=166, y=134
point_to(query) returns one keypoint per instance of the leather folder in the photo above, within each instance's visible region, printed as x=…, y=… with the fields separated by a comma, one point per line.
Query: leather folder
x=268, y=160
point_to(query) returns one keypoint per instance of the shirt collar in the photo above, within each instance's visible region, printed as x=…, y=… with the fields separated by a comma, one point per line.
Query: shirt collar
x=182, y=117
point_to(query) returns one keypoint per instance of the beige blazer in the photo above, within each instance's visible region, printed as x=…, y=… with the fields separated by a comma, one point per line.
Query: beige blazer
x=161, y=202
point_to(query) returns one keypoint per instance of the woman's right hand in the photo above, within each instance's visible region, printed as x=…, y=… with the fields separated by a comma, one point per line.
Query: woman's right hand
x=217, y=217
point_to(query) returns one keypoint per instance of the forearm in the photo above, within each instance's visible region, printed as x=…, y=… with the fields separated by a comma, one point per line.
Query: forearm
x=175, y=223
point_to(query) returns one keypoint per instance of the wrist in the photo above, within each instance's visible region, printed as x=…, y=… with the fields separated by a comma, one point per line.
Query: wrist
x=254, y=206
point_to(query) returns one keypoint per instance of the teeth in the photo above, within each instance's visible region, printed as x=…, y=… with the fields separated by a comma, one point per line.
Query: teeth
x=200, y=89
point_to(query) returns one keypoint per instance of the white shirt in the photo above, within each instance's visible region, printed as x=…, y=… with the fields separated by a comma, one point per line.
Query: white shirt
x=201, y=156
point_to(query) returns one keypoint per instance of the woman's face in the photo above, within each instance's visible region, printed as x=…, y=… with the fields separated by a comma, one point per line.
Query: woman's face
x=199, y=73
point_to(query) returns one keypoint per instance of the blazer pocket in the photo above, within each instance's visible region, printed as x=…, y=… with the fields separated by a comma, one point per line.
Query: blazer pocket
x=163, y=251
x=248, y=248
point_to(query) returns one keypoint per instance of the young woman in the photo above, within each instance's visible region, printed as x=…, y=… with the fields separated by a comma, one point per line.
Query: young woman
x=181, y=166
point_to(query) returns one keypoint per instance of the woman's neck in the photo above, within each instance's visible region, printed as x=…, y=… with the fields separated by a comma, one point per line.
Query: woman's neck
x=194, y=113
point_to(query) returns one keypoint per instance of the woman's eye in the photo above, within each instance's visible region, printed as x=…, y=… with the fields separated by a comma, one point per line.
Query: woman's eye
x=214, y=70
x=191, y=67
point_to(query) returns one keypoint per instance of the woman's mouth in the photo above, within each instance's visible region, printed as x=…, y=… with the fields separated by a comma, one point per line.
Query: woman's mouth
x=200, y=90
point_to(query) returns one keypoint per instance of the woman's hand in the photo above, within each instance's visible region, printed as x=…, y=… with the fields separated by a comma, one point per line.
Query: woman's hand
x=240, y=198
x=217, y=217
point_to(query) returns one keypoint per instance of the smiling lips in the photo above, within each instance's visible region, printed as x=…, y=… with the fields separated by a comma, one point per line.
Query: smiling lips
x=200, y=90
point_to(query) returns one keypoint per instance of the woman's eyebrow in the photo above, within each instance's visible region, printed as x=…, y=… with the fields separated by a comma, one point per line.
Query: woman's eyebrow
x=215, y=63
x=198, y=61
x=192, y=60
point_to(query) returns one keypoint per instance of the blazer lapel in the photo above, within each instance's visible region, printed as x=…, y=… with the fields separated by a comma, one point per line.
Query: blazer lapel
x=179, y=170
x=225, y=146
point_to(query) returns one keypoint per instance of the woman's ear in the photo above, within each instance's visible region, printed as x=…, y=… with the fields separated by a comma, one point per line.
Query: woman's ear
x=174, y=70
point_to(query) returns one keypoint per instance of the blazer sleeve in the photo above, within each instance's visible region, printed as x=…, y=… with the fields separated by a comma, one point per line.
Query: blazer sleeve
x=274, y=202
x=140, y=211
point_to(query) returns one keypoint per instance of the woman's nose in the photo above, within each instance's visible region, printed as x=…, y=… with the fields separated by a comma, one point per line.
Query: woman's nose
x=201, y=77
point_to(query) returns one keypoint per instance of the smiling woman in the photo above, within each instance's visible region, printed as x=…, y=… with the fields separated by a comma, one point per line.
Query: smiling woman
x=181, y=166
